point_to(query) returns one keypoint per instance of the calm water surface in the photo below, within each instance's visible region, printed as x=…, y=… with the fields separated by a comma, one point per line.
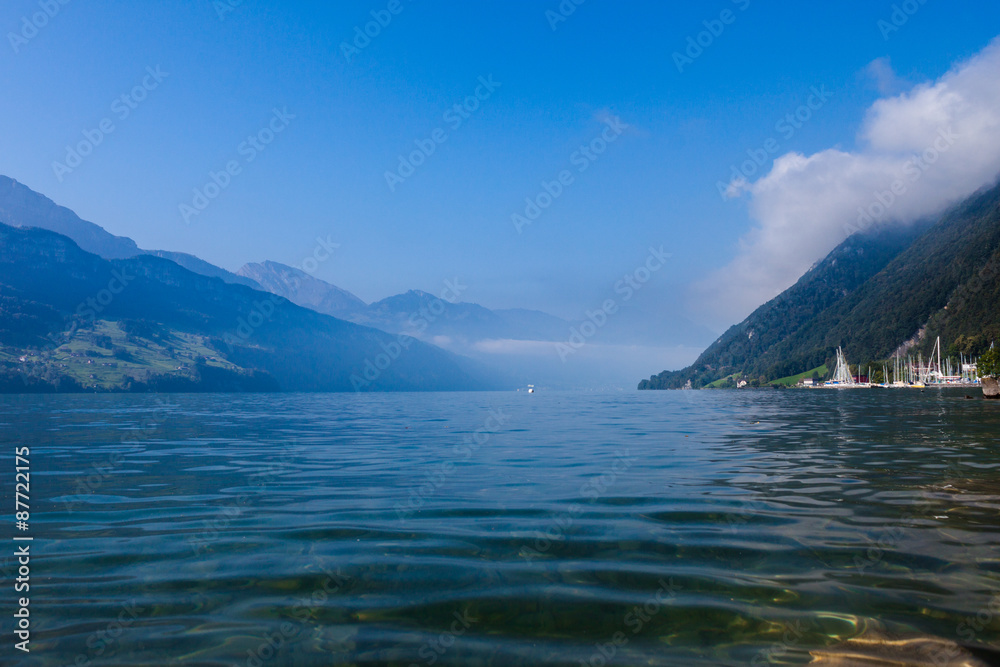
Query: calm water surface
x=655, y=528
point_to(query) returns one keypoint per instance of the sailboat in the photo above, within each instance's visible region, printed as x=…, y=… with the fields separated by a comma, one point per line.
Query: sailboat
x=842, y=378
x=898, y=380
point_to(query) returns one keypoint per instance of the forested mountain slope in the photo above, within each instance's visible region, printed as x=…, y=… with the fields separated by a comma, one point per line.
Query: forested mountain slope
x=873, y=293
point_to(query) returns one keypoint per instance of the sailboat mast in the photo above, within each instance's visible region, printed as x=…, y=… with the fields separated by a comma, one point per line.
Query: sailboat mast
x=937, y=351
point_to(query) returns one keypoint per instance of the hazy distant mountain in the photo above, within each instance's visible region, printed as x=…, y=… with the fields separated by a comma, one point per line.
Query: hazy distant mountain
x=418, y=313
x=48, y=285
x=20, y=206
x=426, y=315
x=519, y=341
x=873, y=293
x=299, y=287
x=198, y=265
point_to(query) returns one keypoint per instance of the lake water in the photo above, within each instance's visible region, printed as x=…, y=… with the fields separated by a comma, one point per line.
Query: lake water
x=641, y=528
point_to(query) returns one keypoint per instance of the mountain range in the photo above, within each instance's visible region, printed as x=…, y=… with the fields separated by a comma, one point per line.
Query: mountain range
x=883, y=291
x=69, y=310
x=523, y=344
x=22, y=207
x=517, y=344
x=401, y=313
x=82, y=308
x=184, y=323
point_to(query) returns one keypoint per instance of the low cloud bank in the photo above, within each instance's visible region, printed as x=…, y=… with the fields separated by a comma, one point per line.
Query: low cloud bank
x=923, y=150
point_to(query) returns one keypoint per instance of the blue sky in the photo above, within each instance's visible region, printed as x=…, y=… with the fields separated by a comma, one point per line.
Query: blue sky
x=324, y=173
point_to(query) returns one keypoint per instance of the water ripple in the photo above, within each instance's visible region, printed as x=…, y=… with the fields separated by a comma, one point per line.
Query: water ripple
x=673, y=528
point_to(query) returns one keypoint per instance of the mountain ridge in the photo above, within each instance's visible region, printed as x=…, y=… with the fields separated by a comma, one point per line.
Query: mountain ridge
x=56, y=291
x=302, y=288
x=414, y=312
x=904, y=287
x=21, y=206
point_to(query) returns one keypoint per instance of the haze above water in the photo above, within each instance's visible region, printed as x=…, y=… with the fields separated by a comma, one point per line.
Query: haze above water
x=709, y=528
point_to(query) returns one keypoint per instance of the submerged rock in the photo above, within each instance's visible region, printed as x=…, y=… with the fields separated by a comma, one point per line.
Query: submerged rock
x=877, y=649
x=991, y=388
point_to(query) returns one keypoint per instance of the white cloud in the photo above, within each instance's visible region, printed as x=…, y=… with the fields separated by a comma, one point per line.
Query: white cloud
x=501, y=346
x=936, y=143
x=881, y=73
